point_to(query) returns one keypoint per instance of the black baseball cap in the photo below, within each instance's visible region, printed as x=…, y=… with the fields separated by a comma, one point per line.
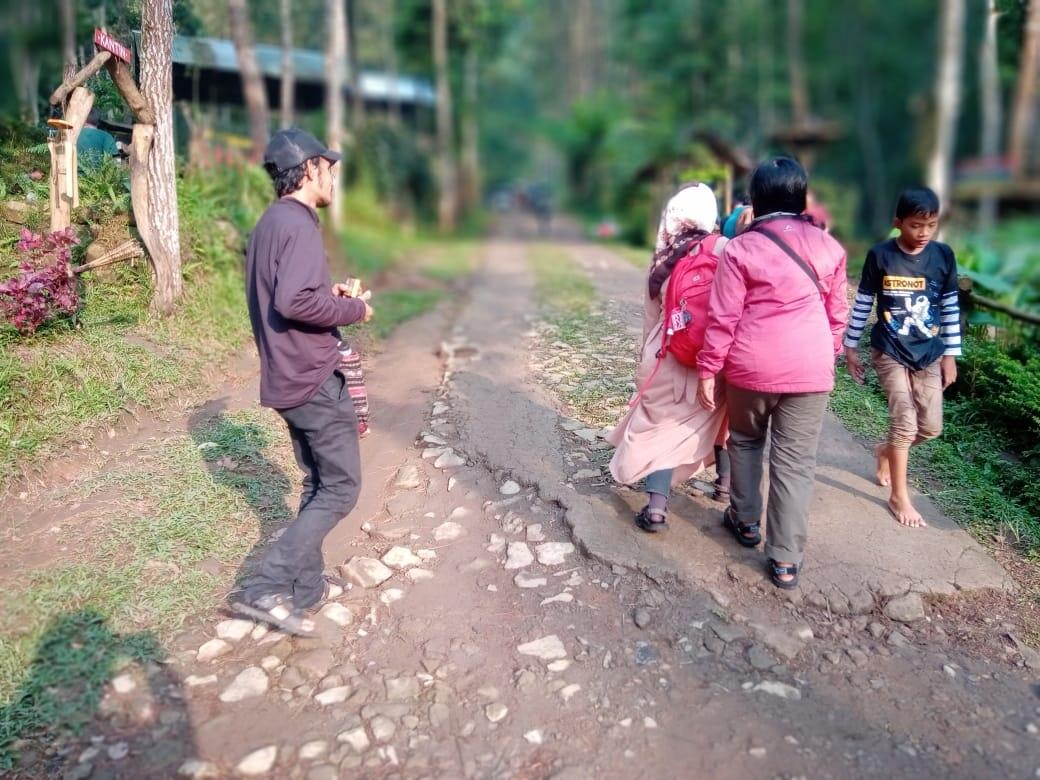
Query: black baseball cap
x=292, y=147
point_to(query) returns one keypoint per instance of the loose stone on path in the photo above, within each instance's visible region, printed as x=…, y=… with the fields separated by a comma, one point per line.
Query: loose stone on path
x=448, y=531
x=212, y=649
x=449, y=460
x=509, y=488
x=234, y=630
x=249, y=683
x=518, y=555
x=905, y=609
x=783, y=690
x=259, y=762
x=548, y=648
x=336, y=695
x=553, y=553
x=408, y=477
x=525, y=580
x=338, y=614
x=401, y=558
x=365, y=572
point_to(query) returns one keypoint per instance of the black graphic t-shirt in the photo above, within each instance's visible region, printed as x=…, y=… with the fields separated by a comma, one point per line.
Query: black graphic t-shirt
x=918, y=311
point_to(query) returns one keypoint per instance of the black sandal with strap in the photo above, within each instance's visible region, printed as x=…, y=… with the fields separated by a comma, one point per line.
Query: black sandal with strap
x=741, y=530
x=646, y=519
x=776, y=571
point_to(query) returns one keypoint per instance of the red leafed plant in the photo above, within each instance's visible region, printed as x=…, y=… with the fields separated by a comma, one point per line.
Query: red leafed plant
x=45, y=286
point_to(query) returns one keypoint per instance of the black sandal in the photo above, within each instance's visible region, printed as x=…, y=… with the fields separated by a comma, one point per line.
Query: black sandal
x=276, y=610
x=741, y=530
x=651, y=526
x=776, y=571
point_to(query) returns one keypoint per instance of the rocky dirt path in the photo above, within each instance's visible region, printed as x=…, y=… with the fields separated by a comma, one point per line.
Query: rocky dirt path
x=479, y=639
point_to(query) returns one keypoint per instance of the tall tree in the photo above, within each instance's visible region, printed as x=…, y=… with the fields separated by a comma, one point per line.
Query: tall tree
x=390, y=55
x=357, y=100
x=252, y=80
x=336, y=59
x=157, y=89
x=469, y=169
x=67, y=10
x=288, y=81
x=989, y=89
x=447, y=176
x=947, y=98
x=1023, y=116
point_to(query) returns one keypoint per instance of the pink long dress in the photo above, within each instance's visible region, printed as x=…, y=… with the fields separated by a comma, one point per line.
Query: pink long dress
x=667, y=428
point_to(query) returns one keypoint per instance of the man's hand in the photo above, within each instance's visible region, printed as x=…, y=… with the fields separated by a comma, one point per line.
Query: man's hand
x=341, y=290
x=948, y=368
x=852, y=360
x=369, y=311
x=706, y=393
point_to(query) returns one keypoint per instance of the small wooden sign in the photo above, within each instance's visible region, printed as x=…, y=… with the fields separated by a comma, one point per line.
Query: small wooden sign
x=104, y=41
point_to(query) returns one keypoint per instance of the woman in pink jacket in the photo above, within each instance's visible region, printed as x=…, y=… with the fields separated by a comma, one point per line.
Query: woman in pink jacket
x=775, y=322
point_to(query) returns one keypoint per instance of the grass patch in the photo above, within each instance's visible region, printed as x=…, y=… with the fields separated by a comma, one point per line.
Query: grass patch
x=962, y=470
x=583, y=356
x=636, y=256
x=559, y=283
x=75, y=376
x=397, y=306
x=72, y=626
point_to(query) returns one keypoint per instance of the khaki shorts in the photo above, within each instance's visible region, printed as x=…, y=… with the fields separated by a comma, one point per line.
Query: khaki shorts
x=915, y=400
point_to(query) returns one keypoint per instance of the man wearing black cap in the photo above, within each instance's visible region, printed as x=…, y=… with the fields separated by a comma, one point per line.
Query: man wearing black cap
x=295, y=311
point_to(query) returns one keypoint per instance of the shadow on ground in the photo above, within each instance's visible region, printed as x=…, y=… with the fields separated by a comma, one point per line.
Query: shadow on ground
x=66, y=698
x=233, y=450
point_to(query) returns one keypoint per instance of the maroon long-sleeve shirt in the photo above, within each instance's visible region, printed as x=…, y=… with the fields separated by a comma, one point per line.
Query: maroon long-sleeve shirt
x=291, y=306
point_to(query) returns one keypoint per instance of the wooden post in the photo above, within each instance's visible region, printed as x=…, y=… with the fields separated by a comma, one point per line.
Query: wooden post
x=64, y=178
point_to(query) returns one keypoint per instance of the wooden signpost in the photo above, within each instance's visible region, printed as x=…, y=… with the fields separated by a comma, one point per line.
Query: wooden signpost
x=115, y=58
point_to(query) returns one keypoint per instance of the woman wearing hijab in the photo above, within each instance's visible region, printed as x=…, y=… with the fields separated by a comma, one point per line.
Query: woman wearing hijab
x=666, y=436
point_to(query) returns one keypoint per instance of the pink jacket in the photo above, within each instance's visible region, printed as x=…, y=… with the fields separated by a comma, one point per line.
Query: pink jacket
x=769, y=327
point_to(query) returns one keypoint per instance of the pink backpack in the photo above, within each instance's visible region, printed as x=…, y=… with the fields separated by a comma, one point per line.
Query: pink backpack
x=685, y=307
x=686, y=303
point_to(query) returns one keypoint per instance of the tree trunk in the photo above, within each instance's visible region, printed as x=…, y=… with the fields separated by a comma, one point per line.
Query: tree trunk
x=873, y=152
x=1023, y=116
x=288, y=94
x=25, y=62
x=448, y=200
x=252, y=81
x=989, y=86
x=796, y=63
x=947, y=99
x=470, y=169
x=357, y=100
x=337, y=54
x=157, y=90
x=67, y=9
x=391, y=61
x=583, y=49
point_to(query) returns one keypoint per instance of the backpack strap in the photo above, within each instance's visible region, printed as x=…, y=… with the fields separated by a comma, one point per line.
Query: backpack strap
x=808, y=269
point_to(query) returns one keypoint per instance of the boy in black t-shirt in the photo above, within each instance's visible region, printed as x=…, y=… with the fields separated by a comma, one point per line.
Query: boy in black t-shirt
x=915, y=341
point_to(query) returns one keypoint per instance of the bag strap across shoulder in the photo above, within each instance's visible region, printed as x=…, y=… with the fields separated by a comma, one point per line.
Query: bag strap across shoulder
x=808, y=269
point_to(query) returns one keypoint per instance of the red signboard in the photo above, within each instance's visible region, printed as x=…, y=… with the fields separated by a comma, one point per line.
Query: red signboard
x=106, y=42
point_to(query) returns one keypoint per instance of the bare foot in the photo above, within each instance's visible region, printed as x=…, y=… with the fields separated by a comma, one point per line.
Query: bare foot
x=905, y=513
x=884, y=470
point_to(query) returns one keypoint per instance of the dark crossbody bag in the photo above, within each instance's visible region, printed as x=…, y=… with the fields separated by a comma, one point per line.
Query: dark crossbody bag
x=794, y=256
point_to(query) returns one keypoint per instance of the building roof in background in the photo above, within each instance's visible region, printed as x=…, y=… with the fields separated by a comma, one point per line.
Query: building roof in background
x=219, y=54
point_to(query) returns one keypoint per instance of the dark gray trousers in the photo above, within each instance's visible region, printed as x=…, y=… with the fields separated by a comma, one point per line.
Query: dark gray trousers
x=796, y=419
x=324, y=434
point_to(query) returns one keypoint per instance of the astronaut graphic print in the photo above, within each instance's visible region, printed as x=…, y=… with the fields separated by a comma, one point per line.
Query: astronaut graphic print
x=917, y=303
